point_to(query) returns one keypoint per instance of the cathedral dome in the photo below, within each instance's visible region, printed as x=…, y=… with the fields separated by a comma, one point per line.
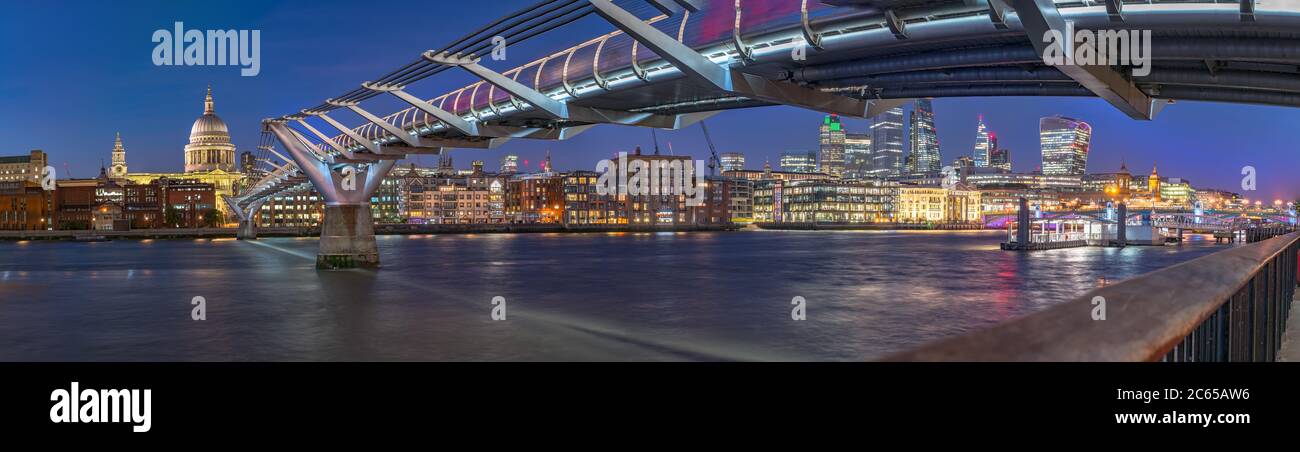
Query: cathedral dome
x=210, y=147
x=209, y=126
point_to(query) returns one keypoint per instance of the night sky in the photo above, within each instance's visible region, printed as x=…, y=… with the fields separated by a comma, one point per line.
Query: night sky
x=76, y=72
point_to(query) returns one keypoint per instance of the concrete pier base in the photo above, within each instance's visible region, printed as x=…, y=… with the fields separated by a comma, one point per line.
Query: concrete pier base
x=247, y=231
x=347, y=238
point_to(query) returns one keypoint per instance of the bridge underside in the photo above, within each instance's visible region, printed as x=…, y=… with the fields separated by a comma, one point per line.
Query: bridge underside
x=683, y=60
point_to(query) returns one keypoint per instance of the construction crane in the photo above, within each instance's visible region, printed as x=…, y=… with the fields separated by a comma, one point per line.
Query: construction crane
x=714, y=162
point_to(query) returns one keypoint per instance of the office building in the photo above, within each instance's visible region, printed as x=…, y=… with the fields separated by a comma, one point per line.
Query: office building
x=924, y=138
x=831, y=155
x=732, y=161
x=1065, y=144
x=857, y=155
x=887, y=143
x=23, y=168
x=799, y=161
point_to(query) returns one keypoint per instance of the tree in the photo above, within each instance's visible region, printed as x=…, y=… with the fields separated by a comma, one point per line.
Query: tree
x=172, y=218
x=213, y=218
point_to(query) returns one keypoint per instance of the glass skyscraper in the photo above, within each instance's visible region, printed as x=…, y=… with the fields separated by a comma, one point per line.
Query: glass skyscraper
x=924, y=138
x=982, y=147
x=799, y=161
x=1065, y=144
x=857, y=155
x=1000, y=158
x=832, y=146
x=887, y=143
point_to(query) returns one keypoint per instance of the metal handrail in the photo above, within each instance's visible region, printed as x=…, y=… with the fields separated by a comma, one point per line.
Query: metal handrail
x=1229, y=306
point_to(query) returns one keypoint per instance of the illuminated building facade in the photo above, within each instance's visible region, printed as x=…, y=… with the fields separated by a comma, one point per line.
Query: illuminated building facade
x=799, y=161
x=300, y=209
x=1066, y=143
x=23, y=168
x=983, y=147
x=209, y=158
x=1153, y=183
x=443, y=197
x=118, y=168
x=535, y=198
x=732, y=161
x=776, y=175
x=110, y=204
x=824, y=201
x=209, y=148
x=929, y=204
x=1177, y=192
x=887, y=143
x=924, y=138
x=831, y=155
x=584, y=205
x=510, y=164
x=25, y=206
x=186, y=203
x=1040, y=181
x=1000, y=158
x=742, y=200
x=1116, y=187
x=857, y=155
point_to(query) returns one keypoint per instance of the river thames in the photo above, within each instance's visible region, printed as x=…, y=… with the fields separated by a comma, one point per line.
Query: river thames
x=617, y=296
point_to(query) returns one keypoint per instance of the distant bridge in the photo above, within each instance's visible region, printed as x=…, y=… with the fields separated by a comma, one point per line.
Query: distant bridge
x=670, y=63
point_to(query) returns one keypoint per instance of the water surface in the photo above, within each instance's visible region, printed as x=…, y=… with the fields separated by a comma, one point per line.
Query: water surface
x=650, y=296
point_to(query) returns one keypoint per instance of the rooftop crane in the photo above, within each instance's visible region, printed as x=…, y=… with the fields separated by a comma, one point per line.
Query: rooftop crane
x=714, y=162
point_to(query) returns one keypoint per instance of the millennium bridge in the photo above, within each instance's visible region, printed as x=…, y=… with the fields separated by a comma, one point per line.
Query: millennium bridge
x=667, y=64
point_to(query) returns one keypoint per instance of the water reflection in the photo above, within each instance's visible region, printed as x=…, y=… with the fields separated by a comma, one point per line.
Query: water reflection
x=615, y=296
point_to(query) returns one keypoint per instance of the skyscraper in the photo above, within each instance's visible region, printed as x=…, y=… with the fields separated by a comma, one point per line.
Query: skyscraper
x=832, y=146
x=887, y=143
x=857, y=155
x=1000, y=158
x=924, y=138
x=510, y=164
x=1065, y=144
x=982, y=147
x=732, y=161
x=799, y=161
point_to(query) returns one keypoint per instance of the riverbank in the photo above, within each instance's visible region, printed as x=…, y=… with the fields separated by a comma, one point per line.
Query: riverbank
x=380, y=229
x=869, y=227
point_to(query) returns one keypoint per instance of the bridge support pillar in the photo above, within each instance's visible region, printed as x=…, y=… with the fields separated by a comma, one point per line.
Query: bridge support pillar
x=347, y=238
x=1023, y=224
x=246, y=213
x=347, y=235
x=1121, y=237
x=247, y=230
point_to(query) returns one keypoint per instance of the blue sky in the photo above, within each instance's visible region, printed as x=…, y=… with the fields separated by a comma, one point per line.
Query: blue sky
x=77, y=72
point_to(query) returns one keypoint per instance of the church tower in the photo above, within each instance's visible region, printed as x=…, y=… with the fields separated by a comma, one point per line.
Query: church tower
x=1153, y=183
x=119, y=159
